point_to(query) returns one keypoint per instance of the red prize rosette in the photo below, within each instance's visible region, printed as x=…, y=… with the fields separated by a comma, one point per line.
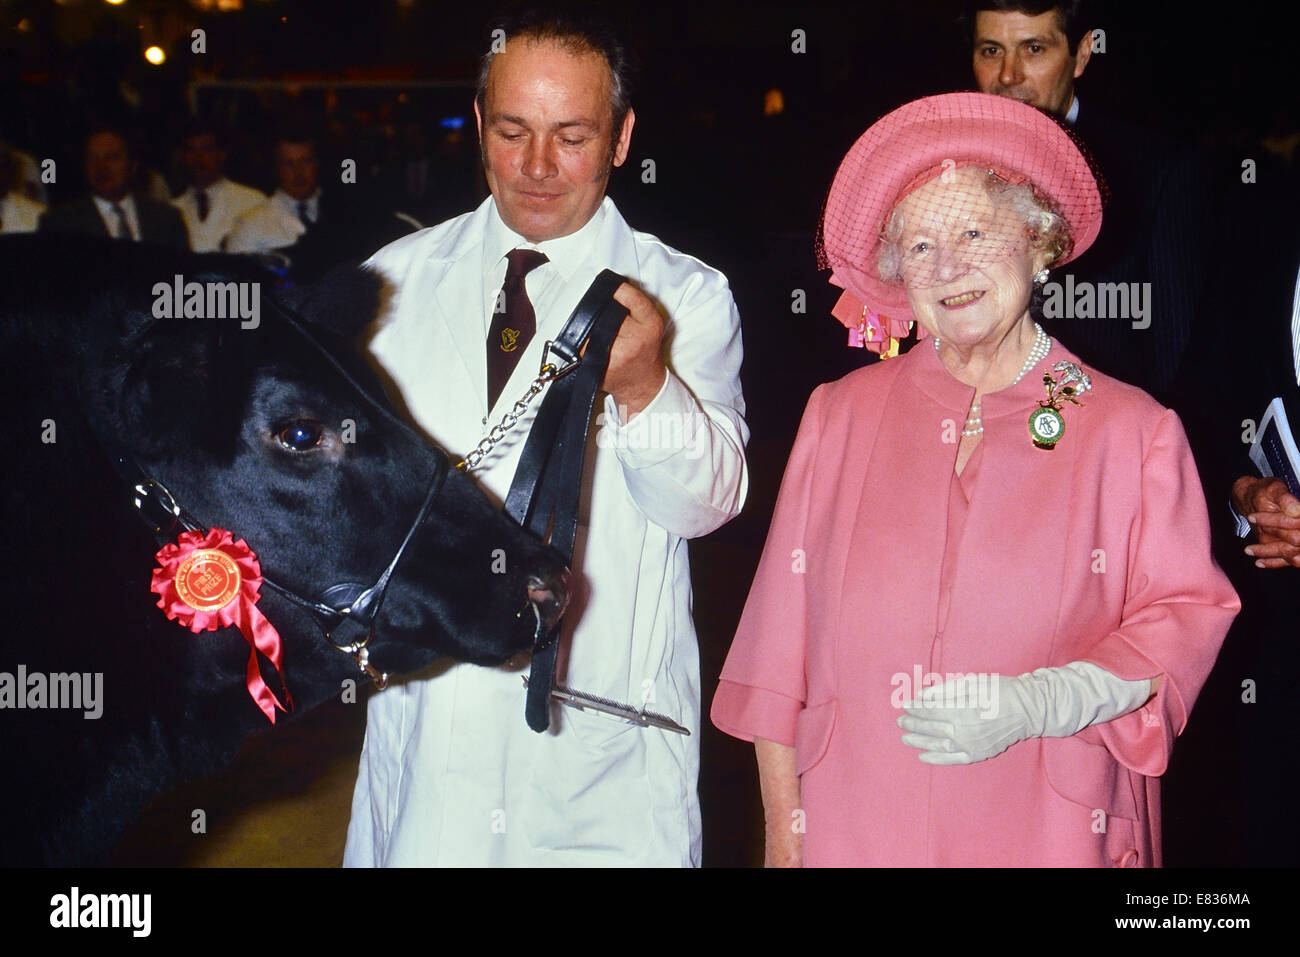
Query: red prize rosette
x=210, y=581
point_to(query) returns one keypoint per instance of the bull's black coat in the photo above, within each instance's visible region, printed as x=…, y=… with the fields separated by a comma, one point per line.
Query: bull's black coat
x=202, y=404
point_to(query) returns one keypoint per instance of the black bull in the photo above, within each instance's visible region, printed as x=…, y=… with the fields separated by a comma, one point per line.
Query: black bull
x=267, y=432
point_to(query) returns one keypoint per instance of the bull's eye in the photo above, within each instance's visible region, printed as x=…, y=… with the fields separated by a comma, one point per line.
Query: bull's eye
x=300, y=436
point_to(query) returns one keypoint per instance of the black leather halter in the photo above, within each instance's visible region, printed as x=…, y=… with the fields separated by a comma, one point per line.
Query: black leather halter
x=347, y=612
x=544, y=492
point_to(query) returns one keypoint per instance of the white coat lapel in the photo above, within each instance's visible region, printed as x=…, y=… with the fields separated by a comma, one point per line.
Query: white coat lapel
x=457, y=302
x=429, y=345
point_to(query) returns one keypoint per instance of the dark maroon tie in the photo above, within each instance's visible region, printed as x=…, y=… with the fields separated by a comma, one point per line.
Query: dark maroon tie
x=512, y=327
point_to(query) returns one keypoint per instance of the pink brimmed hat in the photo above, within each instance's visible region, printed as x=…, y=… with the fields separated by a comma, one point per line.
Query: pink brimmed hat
x=908, y=147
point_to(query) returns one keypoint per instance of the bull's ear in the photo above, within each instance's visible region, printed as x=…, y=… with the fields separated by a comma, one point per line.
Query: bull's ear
x=344, y=301
x=181, y=382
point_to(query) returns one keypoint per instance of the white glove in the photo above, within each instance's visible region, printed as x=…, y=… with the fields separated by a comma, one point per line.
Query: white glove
x=964, y=721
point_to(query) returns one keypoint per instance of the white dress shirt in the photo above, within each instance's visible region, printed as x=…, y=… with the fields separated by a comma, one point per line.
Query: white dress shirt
x=18, y=214
x=564, y=255
x=110, y=218
x=1072, y=115
x=1295, y=328
x=227, y=202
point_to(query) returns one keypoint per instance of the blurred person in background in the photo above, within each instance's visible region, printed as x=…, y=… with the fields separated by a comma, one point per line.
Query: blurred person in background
x=112, y=209
x=211, y=203
x=18, y=212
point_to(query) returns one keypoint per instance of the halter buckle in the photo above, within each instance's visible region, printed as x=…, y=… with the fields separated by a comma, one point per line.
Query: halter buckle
x=557, y=361
x=151, y=495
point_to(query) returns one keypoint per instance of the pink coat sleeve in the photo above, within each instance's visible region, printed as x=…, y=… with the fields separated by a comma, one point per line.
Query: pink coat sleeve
x=1177, y=611
x=763, y=685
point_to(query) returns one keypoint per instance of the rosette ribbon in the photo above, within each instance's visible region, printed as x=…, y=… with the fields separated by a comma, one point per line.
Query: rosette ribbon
x=869, y=329
x=210, y=581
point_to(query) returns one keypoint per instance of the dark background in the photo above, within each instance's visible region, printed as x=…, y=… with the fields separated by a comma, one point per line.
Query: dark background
x=740, y=189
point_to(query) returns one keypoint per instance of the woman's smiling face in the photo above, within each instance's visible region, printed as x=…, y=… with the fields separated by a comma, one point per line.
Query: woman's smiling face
x=966, y=262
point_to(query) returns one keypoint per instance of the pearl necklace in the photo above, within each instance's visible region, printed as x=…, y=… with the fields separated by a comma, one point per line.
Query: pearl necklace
x=1037, y=352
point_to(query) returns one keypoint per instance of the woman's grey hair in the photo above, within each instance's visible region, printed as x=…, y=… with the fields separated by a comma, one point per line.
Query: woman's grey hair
x=1045, y=227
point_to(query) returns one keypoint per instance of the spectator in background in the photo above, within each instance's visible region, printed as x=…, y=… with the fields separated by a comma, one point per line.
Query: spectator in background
x=211, y=204
x=18, y=213
x=113, y=210
x=312, y=227
x=1035, y=52
x=27, y=176
x=430, y=176
x=296, y=206
x=1229, y=381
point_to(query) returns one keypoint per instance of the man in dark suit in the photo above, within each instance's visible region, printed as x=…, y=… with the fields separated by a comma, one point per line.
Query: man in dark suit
x=1152, y=231
x=310, y=225
x=112, y=210
x=1235, y=368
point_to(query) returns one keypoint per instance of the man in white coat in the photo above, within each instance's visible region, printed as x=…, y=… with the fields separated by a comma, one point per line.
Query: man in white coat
x=18, y=213
x=281, y=219
x=450, y=774
x=211, y=204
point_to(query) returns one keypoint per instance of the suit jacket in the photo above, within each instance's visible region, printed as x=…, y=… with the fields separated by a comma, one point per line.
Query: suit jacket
x=1236, y=366
x=159, y=222
x=1154, y=230
x=450, y=753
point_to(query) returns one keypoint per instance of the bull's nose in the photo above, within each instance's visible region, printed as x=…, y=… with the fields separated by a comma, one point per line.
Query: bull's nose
x=550, y=593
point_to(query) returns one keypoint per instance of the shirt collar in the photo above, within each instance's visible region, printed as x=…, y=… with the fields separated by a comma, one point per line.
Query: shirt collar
x=1072, y=115
x=291, y=204
x=105, y=206
x=216, y=186
x=565, y=253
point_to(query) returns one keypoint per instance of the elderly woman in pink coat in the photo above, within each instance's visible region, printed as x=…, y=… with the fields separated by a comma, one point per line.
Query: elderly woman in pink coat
x=986, y=603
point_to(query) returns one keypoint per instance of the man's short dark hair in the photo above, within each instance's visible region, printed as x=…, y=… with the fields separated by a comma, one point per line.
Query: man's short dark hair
x=202, y=126
x=578, y=29
x=95, y=129
x=297, y=131
x=1074, y=17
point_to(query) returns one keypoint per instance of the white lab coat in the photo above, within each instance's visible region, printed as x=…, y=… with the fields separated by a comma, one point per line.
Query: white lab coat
x=272, y=223
x=228, y=201
x=18, y=214
x=450, y=774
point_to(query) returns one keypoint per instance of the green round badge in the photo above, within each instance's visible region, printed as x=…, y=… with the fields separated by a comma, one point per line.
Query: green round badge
x=1046, y=427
